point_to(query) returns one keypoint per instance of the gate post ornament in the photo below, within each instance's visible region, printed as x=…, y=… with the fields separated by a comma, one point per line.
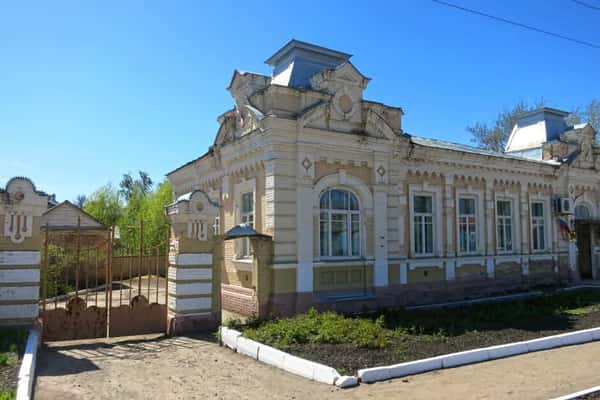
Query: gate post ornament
x=192, y=215
x=20, y=202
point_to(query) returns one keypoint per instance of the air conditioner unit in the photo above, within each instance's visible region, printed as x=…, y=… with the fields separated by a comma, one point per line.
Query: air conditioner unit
x=564, y=205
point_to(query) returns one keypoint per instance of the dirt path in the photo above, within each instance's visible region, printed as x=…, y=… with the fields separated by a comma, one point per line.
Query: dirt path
x=197, y=368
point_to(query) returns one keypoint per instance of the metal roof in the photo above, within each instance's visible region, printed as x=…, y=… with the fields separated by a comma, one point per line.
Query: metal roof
x=441, y=144
x=241, y=231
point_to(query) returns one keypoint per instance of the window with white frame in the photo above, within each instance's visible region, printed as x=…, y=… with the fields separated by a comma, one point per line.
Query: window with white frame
x=538, y=226
x=247, y=218
x=339, y=224
x=467, y=225
x=423, y=224
x=504, y=226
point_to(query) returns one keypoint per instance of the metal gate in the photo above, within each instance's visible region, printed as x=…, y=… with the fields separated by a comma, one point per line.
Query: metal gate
x=93, y=287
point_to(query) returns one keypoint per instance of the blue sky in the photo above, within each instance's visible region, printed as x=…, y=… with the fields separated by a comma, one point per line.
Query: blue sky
x=89, y=91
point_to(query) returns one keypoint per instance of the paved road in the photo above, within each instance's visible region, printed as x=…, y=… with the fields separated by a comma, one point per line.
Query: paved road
x=197, y=368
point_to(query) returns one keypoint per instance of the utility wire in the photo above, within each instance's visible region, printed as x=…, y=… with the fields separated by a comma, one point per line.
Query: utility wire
x=581, y=3
x=529, y=27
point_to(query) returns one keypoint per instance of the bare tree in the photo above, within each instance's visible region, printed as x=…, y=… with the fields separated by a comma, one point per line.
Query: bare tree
x=80, y=200
x=494, y=137
x=129, y=184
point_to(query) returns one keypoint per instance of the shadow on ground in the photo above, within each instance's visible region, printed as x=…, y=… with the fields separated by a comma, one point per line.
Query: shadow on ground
x=73, y=357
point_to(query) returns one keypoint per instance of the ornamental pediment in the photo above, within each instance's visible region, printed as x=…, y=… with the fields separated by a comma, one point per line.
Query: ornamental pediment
x=346, y=74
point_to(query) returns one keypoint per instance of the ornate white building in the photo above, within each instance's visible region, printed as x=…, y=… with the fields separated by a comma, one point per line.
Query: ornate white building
x=362, y=214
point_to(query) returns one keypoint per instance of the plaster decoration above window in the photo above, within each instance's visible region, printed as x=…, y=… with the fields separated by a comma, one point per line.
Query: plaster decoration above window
x=381, y=173
x=18, y=226
x=306, y=167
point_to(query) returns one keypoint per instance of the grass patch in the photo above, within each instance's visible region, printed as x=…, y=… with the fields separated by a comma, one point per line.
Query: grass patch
x=12, y=346
x=13, y=340
x=8, y=395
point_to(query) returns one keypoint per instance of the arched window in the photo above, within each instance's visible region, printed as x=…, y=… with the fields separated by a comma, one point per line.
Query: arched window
x=339, y=225
x=582, y=212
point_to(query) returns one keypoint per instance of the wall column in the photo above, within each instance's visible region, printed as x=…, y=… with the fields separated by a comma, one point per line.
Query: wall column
x=304, y=223
x=381, y=258
x=524, y=214
x=21, y=208
x=490, y=246
x=380, y=205
x=194, y=277
x=449, y=217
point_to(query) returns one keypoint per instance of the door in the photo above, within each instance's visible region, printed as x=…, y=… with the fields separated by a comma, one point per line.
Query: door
x=584, y=254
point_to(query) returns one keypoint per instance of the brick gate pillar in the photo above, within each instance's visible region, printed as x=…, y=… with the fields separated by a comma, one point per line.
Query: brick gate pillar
x=21, y=209
x=195, y=254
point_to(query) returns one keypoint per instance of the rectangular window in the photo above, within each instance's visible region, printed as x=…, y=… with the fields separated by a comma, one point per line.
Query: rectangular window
x=467, y=225
x=538, y=226
x=504, y=231
x=248, y=220
x=423, y=224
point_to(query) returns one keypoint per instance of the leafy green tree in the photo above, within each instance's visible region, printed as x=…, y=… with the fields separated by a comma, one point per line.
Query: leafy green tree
x=149, y=208
x=105, y=205
x=126, y=210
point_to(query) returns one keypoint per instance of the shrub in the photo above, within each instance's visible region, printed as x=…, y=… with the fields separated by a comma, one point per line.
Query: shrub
x=327, y=327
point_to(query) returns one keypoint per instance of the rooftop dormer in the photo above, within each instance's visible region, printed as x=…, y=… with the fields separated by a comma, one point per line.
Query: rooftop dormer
x=296, y=62
x=535, y=128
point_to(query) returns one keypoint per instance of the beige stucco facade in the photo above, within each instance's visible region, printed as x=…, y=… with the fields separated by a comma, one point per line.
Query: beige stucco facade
x=293, y=136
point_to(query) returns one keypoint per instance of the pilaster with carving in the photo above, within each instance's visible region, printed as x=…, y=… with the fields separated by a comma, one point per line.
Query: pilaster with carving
x=195, y=255
x=21, y=208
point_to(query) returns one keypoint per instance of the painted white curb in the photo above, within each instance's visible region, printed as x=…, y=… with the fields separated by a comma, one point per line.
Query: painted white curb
x=247, y=347
x=507, y=350
x=369, y=375
x=229, y=337
x=279, y=359
x=27, y=370
x=346, y=381
x=271, y=356
x=465, y=357
x=578, y=394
